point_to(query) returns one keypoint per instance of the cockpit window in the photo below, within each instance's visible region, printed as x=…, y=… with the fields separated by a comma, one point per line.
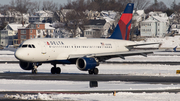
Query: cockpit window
x=33, y=46
x=20, y=45
x=24, y=46
x=29, y=46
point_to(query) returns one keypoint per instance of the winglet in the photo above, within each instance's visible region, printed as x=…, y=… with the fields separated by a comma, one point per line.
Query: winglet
x=175, y=49
x=123, y=27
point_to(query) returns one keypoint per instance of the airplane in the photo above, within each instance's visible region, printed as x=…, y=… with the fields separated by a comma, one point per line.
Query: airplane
x=85, y=53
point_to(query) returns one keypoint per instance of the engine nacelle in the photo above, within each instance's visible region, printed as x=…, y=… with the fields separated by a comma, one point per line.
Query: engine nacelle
x=26, y=65
x=85, y=64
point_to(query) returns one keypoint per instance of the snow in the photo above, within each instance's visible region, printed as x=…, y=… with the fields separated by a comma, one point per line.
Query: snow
x=125, y=96
x=47, y=26
x=134, y=69
x=167, y=42
x=15, y=26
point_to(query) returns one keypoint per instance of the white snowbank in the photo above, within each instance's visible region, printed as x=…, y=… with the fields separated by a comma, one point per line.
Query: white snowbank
x=101, y=97
x=167, y=42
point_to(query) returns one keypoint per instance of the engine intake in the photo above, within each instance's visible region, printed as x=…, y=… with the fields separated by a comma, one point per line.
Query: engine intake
x=26, y=65
x=85, y=64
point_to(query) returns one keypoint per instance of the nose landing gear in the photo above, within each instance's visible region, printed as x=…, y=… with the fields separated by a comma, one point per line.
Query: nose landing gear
x=34, y=71
x=35, y=66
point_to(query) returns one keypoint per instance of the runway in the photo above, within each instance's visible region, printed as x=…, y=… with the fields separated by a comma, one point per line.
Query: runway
x=87, y=77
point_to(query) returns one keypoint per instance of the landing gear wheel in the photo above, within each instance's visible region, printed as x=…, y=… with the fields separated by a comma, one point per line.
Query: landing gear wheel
x=58, y=70
x=90, y=71
x=96, y=71
x=34, y=71
x=53, y=70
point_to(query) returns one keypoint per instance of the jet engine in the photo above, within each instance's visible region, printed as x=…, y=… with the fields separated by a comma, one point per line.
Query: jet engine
x=85, y=64
x=26, y=65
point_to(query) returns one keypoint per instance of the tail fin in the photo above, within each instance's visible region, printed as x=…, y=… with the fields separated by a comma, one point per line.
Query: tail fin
x=123, y=27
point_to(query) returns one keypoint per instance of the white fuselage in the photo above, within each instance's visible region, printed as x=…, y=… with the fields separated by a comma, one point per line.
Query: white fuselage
x=50, y=49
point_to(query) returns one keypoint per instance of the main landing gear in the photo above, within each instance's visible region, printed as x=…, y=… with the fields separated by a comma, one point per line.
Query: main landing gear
x=55, y=70
x=94, y=71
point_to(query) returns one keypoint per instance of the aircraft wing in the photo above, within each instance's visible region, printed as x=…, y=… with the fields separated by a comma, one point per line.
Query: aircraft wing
x=131, y=46
x=114, y=54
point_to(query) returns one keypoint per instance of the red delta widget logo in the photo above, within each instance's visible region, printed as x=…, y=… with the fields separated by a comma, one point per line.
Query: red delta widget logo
x=55, y=43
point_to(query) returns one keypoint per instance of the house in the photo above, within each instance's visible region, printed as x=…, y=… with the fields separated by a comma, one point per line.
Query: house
x=175, y=28
x=13, y=16
x=61, y=15
x=91, y=14
x=138, y=16
x=9, y=33
x=156, y=25
x=94, y=27
x=107, y=14
x=99, y=28
x=35, y=30
x=41, y=16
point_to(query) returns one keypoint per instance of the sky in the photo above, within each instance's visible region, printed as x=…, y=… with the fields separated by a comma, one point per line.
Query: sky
x=167, y=2
x=58, y=1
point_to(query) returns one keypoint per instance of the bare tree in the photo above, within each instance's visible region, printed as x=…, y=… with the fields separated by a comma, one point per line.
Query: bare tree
x=157, y=6
x=74, y=20
x=37, y=6
x=141, y=4
x=50, y=5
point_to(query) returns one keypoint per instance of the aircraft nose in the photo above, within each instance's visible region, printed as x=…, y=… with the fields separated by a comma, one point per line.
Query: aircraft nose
x=18, y=54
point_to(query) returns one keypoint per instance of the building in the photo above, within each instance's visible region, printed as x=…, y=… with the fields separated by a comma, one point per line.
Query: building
x=9, y=33
x=93, y=28
x=35, y=30
x=138, y=17
x=156, y=24
x=12, y=16
x=61, y=15
x=98, y=28
x=41, y=16
x=91, y=14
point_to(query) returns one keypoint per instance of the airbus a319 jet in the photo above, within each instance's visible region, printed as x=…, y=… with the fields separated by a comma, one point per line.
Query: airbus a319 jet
x=85, y=53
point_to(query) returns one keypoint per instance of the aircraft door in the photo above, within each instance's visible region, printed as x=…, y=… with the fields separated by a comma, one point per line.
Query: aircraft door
x=43, y=48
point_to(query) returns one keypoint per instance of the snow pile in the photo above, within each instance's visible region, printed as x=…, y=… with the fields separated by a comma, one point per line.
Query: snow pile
x=167, y=42
x=100, y=97
x=5, y=52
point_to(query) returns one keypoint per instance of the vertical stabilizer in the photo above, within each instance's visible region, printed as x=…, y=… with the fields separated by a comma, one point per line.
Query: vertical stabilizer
x=123, y=27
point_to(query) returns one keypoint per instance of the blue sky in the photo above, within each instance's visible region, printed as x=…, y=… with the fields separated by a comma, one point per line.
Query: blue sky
x=167, y=2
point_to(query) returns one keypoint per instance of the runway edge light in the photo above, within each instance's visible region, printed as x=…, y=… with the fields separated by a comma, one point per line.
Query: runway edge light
x=177, y=71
